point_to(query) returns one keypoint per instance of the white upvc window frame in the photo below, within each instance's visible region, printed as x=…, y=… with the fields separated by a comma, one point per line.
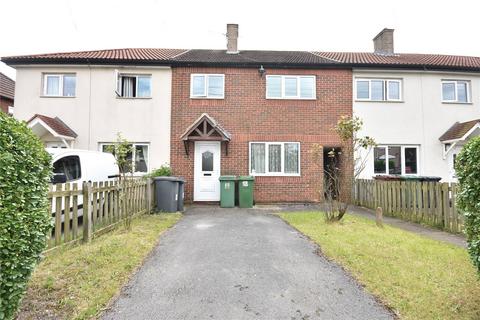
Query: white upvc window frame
x=402, y=159
x=386, y=82
x=134, y=145
x=132, y=75
x=455, y=82
x=274, y=174
x=205, y=94
x=282, y=89
x=60, y=84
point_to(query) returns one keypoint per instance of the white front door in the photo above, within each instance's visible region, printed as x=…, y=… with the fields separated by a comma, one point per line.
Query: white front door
x=207, y=171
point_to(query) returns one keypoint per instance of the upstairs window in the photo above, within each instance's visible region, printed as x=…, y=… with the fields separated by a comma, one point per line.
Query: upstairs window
x=209, y=86
x=59, y=85
x=290, y=87
x=134, y=86
x=456, y=91
x=379, y=89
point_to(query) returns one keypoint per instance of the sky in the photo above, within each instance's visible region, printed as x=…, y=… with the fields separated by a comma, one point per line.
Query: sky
x=421, y=26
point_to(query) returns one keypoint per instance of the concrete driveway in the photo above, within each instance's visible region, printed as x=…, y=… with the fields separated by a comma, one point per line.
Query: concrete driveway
x=240, y=264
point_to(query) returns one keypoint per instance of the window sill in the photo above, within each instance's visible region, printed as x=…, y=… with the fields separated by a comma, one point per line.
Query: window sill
x=381, y=101
x=275, y=175
x=306, y=99
x=207, y=98
x=456, y=102
x=68, y=97
x=134, y=98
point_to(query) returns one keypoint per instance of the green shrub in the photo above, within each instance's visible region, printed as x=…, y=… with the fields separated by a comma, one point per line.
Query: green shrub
x=25, y=170
x=164, y=170
x=467, y=167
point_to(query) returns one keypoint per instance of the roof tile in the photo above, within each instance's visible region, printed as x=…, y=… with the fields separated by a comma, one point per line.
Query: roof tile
x=458, y=130
x=7, y=87
x=402, y=59
x=56, y=124
x=128, y=54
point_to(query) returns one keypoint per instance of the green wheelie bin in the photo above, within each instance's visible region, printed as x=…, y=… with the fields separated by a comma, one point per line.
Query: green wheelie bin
x=227, y=191
x=245, y=191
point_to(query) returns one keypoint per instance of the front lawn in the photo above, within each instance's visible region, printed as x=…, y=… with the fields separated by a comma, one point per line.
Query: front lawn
x=419, y=278
x=77, y=282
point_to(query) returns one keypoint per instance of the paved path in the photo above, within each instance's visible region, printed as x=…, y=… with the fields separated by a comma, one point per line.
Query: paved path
x=240, y=264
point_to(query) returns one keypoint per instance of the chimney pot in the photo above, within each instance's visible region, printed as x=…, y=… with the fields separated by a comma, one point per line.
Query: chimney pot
x=232, y=38
x=383, y=42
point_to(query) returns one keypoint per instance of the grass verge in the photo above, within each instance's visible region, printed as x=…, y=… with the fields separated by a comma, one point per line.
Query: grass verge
x=77, y=282
x=417, y=277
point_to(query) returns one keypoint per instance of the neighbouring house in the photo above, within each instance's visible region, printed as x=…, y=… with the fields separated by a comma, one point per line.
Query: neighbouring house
x=83, y=99
x=254, y=112
x=420, y=108
x=7, y=94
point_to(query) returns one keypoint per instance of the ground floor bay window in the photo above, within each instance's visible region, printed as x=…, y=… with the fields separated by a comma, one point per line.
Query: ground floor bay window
x=138, y=158
x=396, y=160
x=275, y=158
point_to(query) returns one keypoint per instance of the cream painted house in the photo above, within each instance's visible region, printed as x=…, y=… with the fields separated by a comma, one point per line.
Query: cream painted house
x=420, y=117
x=73, y=101
x=412, y=128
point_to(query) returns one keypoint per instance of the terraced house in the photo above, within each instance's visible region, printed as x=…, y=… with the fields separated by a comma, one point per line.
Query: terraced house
x=214, y=112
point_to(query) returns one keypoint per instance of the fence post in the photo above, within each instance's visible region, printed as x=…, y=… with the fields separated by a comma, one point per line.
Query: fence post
x=87, y=212
x=379, y=217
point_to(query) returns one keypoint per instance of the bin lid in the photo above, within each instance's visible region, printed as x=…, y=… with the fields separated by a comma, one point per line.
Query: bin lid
x=227, y=178
x=243, y=178
x=168, y=178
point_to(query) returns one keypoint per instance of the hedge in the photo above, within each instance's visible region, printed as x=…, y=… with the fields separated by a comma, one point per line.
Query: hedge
x=25, y=169
x=467, y=168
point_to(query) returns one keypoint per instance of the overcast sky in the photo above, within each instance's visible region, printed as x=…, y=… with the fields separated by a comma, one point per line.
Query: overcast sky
x=34, y=26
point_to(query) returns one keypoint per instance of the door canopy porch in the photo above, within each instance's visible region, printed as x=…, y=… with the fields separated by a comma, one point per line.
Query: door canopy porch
x=458, y=134
x=53, y=127
x=205, y=128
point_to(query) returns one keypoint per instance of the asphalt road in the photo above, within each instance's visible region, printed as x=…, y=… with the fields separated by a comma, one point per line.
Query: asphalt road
x=240, y=264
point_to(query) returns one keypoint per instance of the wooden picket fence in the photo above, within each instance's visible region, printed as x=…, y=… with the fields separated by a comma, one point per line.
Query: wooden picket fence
x=432, y=203
x=77, y=219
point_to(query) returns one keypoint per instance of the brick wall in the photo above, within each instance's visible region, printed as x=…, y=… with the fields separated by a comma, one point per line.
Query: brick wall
x=248, y=116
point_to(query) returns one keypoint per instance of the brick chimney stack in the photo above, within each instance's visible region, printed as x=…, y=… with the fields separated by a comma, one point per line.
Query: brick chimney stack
x=232, y=38
x=383, y=42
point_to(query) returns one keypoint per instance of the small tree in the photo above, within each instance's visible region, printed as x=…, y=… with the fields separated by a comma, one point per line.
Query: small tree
x=25, y=170
x=122, y=150
x=467, y=168
x=339, y=182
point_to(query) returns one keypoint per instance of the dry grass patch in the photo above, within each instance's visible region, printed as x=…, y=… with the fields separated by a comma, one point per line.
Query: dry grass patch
x=77, y=282
x=418, y=277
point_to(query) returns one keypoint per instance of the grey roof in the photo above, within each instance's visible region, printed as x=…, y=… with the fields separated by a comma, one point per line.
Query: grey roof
x=252, y=57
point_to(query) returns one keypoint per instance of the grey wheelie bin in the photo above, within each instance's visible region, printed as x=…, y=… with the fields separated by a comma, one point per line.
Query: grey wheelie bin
x=169, y=194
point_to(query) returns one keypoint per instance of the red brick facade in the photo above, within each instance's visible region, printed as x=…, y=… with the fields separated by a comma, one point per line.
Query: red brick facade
x=248, y=116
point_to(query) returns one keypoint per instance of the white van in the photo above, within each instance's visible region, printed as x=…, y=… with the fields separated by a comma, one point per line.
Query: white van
x=74, y=165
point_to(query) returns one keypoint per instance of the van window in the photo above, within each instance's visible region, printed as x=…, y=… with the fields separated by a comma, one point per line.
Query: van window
x=70, y=166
